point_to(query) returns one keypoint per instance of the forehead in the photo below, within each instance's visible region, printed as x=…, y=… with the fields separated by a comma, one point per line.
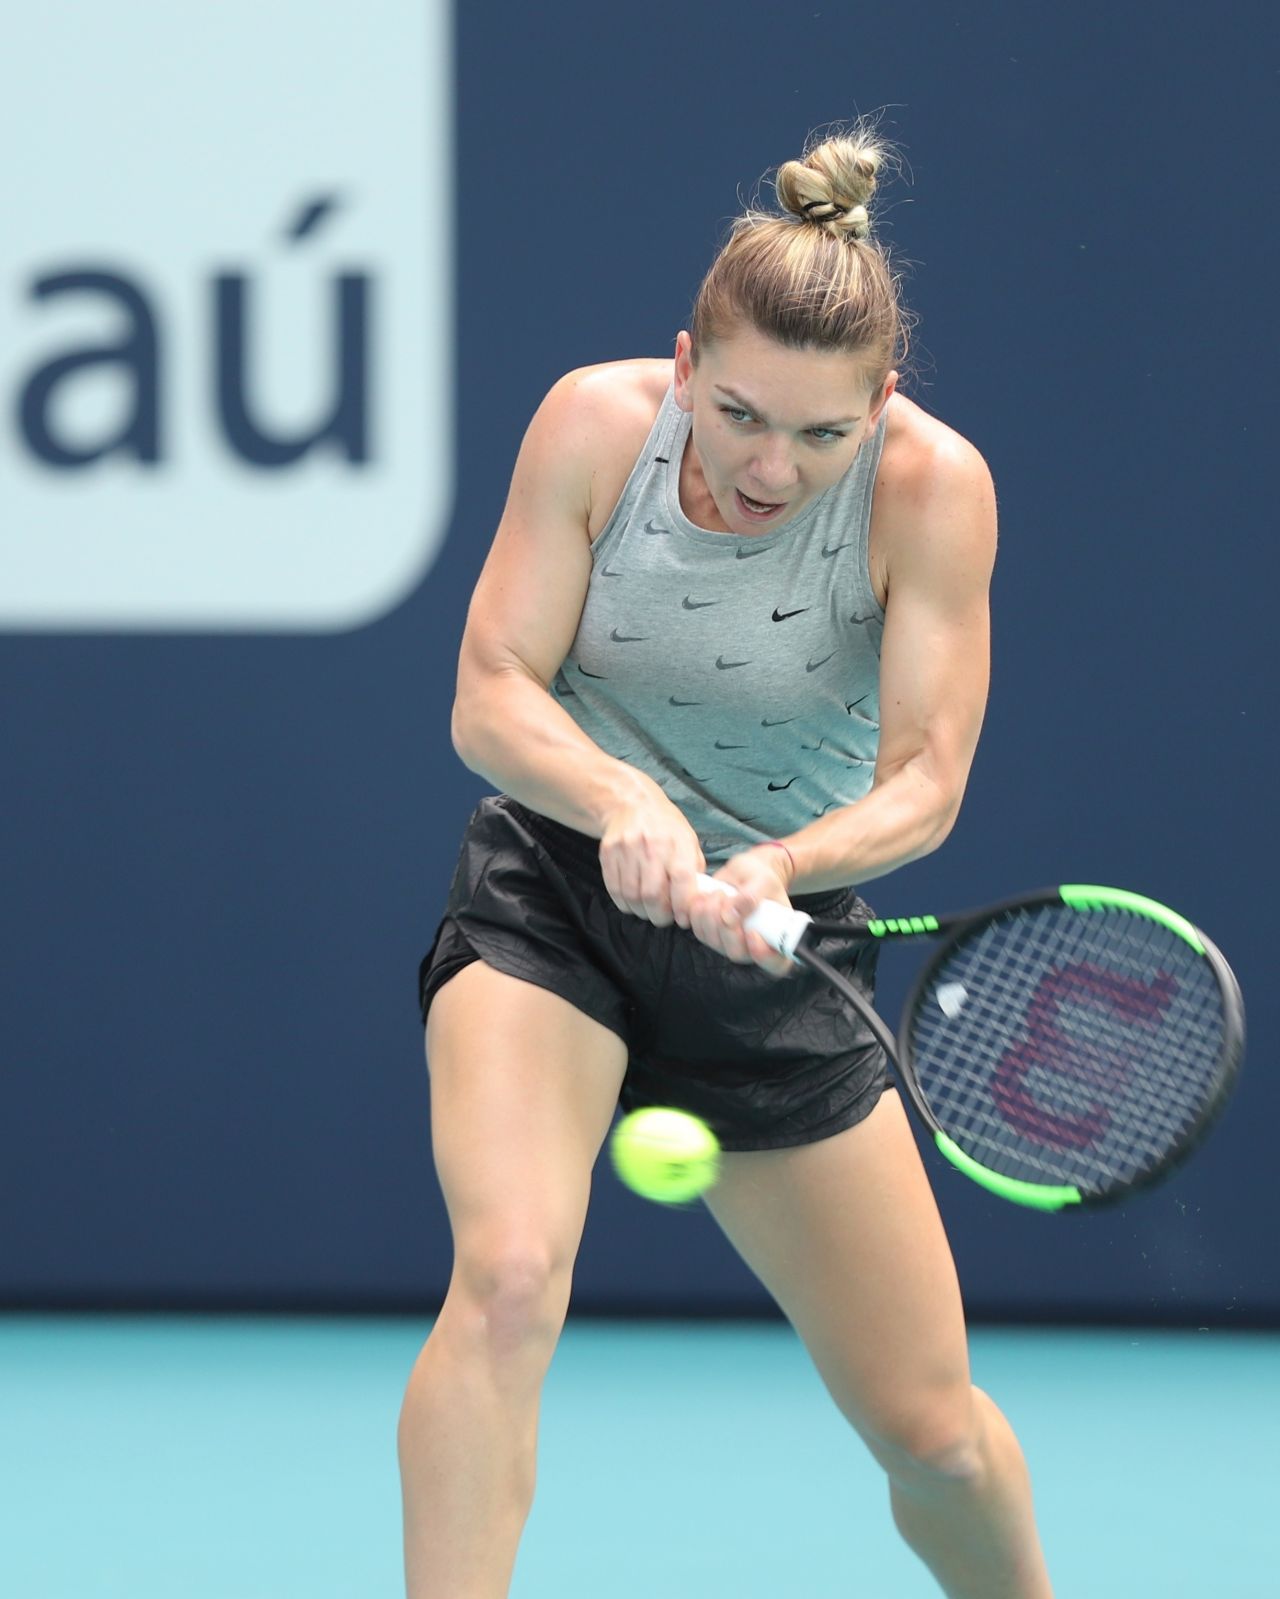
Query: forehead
x=785, y=384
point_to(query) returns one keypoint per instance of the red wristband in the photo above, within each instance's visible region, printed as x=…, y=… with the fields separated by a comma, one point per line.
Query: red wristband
x=777, y=843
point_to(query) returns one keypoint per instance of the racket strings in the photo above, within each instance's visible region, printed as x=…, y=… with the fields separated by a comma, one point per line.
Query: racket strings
x=1065, y=1047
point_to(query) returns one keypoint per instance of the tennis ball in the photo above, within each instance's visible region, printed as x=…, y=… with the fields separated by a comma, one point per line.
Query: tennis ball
x=666, y=1155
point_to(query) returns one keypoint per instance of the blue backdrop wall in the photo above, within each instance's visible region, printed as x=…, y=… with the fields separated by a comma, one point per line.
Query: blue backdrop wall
x=225, y=848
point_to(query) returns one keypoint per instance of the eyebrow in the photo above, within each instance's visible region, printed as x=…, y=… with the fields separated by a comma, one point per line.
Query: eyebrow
x=844, y=422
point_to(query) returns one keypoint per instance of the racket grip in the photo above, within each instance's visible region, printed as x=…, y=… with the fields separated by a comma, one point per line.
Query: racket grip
x=779, y=926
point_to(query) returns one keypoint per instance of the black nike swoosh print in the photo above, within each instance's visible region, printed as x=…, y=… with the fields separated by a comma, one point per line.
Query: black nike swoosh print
x=628, y=638
x=608, y=573
x=649, y=528
x=744, y=552
x=775, y=788
x=816, y=746
x=814, y=665
x=723, y=666
x=674, y=701
x=781, y=721
x=721, y=745
x=585, y=673
x=697, y=605
x=565, y=692
x=859, y=620
x=829, y=553
x=781, y=616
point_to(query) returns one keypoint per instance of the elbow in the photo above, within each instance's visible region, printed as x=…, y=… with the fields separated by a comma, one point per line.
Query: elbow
x=462, y=731
x=936, y=805
x=942, y=812
x=942, y=824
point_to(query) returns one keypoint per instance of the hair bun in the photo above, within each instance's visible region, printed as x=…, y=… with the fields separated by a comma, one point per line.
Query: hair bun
x=833, y=181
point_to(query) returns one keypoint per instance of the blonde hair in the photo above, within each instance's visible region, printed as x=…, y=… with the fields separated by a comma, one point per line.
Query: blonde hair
x=811, y=276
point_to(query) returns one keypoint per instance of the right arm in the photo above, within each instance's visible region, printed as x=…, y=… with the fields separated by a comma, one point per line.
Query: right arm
x=521, y=625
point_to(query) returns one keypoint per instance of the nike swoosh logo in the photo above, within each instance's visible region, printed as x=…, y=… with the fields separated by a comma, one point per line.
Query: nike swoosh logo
x=721, y=745
x=774, y=788
x=649, y=528
x=859, y=620
x=723, y=666
x=814, y=665
x=585, y=673
x=744, y=552
x=829, y=553
x=697, y=605
x=628, y=638
x=564, y=691
x=781, y=616
x=674, y=701
x=608, y=573
x=816, y=746
x=780, y=722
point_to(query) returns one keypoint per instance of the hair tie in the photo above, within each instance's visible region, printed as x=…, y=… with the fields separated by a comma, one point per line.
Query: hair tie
x=833, y=209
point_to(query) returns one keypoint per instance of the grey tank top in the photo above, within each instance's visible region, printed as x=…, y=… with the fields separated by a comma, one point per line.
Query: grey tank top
x=741, y=673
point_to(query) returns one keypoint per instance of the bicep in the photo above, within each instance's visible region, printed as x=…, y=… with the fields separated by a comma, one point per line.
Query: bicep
x=935, y=657
x=529, y=597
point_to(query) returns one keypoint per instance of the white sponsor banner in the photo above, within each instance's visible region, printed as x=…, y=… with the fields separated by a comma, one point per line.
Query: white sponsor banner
x=225, y=312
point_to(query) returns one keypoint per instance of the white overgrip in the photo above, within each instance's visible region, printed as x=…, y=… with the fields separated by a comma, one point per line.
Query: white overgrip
x=779, y=925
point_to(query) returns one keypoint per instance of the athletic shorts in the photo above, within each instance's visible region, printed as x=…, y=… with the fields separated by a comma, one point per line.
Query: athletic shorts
x=766, y=1061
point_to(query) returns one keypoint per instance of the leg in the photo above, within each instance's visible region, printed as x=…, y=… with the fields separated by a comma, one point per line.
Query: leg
x=523, y=1088
x=846, y=1236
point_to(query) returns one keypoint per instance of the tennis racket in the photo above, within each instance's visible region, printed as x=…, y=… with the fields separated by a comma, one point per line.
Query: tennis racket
x=1064, y=1048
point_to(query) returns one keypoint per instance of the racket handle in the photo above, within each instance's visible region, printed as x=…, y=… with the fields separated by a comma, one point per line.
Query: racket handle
x=780, y=927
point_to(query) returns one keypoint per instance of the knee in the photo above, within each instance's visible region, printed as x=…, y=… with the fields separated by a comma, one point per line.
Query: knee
x=932, y=1446
x=510, y=1297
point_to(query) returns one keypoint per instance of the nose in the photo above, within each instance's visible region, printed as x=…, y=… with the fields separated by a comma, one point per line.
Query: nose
x=773, y=469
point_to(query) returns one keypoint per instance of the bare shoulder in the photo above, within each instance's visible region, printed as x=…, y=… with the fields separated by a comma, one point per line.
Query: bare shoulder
x=923, y=457
x=933, y=494
x=598, y=418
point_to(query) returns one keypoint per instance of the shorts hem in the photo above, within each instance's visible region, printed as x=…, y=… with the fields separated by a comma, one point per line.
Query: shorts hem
x=855, y=1113
x=477, y=950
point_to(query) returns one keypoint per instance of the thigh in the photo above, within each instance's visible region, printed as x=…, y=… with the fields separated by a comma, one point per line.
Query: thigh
x=846, y=1236
x=523, y=1089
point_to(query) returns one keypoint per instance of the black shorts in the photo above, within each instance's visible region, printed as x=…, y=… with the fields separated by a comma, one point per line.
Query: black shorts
x=766, y=1061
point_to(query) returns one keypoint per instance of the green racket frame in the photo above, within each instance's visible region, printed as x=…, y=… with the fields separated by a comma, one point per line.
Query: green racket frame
x=1082, y=897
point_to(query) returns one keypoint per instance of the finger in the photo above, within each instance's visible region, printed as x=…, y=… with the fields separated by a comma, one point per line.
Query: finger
x=626, y=890
x=655, y=898
x=684, y=892
x=765, y=955
x=731, y=934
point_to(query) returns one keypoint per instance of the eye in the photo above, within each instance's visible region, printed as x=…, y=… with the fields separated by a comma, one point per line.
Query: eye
x=735, y=413
x=831, y=435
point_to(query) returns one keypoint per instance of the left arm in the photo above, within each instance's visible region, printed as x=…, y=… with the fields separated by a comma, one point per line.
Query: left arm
x=939, y=519
x=934, y=670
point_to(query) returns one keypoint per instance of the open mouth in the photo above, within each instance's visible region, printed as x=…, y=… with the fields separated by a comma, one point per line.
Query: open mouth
x=757, y=510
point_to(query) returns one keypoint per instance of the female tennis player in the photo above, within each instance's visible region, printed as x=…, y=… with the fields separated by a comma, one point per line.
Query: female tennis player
x=734, y=619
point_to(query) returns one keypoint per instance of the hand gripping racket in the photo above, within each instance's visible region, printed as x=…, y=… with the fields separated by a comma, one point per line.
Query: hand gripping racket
x=1063, y=1048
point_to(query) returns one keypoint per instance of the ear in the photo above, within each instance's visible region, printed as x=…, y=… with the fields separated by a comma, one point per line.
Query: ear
x=878, y=405
x=684, y=371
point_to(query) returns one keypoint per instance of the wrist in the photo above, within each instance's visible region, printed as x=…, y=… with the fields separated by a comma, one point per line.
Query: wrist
x=785, y=858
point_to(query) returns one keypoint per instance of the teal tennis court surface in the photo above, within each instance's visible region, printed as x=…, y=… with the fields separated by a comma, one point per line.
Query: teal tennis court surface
x=221, y=1458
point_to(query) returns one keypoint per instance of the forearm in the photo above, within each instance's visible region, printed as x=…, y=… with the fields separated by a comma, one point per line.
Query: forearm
x=511, y=731
x=905, y=816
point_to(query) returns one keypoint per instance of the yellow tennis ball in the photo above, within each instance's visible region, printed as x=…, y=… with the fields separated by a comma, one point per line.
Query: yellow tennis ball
x=666, y=1155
